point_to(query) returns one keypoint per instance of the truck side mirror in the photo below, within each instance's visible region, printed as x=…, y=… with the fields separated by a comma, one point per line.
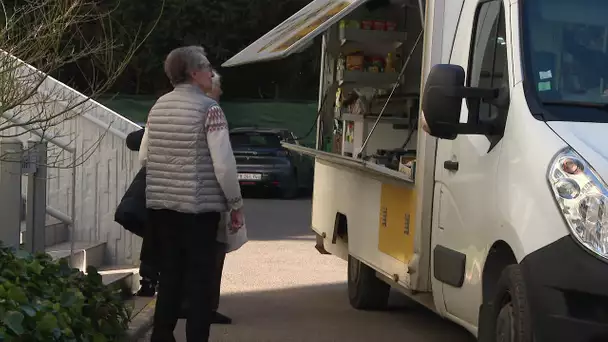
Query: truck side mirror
x=441, y=112
x=442, y=102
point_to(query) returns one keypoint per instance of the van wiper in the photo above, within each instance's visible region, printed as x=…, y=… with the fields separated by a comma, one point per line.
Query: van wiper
x=601, y=106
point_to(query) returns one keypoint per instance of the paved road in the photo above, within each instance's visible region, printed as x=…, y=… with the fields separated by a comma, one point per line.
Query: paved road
x=278, y=288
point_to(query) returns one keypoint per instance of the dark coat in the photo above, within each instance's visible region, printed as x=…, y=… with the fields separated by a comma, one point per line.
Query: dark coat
x=131, y=212
x=134, y=139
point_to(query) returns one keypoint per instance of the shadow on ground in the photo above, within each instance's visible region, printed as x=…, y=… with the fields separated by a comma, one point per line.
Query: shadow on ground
x=321, y=313
x=278, y=288
x=278, y=219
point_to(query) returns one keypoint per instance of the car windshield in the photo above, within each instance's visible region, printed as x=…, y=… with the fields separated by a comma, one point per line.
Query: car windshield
x=254, y=139
x=566, y=45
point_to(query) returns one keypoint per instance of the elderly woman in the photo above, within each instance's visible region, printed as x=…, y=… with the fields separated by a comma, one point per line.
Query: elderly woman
x=191, y=179
x=215, y=94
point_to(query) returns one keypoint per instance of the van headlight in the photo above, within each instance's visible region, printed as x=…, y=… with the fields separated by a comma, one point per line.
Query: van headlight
x=582, y=197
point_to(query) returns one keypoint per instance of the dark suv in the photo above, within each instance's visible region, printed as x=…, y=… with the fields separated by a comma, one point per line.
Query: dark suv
x=262, y=162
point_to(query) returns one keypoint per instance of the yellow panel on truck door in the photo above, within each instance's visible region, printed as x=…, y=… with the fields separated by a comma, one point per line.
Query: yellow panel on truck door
x=397, y=218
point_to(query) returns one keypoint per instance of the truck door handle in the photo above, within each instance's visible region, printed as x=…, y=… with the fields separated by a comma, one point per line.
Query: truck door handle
x=450, y=165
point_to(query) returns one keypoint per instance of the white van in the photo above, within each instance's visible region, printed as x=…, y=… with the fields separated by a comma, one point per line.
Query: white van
x=501, y=224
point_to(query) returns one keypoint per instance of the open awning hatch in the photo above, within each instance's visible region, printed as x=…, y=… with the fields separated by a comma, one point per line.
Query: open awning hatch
x=295, y=33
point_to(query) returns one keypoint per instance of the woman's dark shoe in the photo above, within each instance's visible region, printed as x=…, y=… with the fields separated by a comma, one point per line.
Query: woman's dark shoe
x=147, y=289
x=218, y=318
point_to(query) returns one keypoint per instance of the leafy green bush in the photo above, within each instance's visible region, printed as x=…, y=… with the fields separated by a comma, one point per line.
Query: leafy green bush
x=45, y=300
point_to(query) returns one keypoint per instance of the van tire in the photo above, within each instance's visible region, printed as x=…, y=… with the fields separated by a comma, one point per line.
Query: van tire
x=511, y=317
x=365, y=290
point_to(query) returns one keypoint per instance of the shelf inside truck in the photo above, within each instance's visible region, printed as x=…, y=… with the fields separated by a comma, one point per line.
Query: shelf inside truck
x=394, y=39
x=361, y=79
x=384, y=119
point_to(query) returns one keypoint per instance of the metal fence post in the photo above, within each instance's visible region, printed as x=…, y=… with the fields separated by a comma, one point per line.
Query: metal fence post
x=36, y=169
x=11, y=152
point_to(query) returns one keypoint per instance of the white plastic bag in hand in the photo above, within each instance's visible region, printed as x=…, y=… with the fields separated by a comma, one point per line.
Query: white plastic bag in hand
x=225, y=234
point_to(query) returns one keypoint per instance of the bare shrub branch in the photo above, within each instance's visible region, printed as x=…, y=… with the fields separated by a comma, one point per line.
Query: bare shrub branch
x=41, y=38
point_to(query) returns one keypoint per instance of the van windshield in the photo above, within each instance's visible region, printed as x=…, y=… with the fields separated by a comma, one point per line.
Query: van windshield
x=566, y=55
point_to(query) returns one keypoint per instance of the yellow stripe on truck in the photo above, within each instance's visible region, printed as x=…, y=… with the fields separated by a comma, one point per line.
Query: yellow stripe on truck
x=396, y=223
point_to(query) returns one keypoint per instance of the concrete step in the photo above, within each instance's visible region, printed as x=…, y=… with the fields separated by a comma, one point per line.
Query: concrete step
x=85, y=253
x=125, y=278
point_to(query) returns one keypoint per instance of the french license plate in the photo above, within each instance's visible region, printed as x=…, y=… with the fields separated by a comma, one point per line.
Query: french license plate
x=250, y=176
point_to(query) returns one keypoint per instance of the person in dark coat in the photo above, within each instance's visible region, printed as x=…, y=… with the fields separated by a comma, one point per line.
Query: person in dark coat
x=132, y=215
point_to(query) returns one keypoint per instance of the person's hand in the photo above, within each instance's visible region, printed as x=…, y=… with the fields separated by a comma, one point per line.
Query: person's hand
x=236, y=219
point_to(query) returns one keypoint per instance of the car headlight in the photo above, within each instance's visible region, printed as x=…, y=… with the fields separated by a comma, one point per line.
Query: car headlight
x=582, y=197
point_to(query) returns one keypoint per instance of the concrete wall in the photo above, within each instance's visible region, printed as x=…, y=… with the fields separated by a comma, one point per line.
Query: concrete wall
x=105, y=167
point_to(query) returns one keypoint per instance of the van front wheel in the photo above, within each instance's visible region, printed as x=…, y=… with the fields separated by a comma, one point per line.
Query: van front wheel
x=365, y=290
x=512, y=315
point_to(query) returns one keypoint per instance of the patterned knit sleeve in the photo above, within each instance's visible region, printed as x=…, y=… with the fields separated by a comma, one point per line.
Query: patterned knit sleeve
x=224, y=164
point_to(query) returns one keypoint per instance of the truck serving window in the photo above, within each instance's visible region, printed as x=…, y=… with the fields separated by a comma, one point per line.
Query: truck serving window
x=565, y=45
x=255, y=139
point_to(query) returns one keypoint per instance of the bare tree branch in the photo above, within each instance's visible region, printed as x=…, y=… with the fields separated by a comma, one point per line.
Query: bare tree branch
x=39, y=38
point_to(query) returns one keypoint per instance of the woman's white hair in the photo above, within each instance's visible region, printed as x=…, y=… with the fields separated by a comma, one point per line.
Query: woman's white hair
x=216, y=80
x=183, y=60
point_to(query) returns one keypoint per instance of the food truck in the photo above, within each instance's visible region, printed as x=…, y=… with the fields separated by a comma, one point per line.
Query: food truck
x=497, y=218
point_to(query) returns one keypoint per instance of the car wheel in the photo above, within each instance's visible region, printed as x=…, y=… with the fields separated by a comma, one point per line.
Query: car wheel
x=365, y=290
x=511, y=317
x=290, y=187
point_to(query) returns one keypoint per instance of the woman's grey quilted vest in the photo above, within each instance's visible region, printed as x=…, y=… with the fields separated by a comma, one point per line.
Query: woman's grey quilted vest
x=180, y=173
